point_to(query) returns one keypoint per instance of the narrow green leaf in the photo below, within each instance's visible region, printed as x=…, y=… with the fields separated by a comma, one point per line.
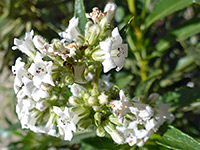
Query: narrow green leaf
x=182, y=32
x=123, y=79
x=165, y=7
x=124, y=30
x=176, y=139
x=79, y=11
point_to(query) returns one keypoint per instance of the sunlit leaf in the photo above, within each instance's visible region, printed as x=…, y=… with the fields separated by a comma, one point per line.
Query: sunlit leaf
x=164, y=8
x=79, y=11
x=176, y=139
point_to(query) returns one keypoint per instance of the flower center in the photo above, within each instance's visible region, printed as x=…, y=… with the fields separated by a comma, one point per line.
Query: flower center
x=117, y=52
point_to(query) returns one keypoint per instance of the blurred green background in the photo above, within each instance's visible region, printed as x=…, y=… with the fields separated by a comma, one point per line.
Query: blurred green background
x=164, y=57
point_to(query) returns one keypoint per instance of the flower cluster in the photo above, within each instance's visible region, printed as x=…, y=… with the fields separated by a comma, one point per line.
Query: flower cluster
x=60, y=90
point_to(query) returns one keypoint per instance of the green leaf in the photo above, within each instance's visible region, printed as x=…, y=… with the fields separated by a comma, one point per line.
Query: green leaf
x=176, y=139
x=182, y=32
x=165, y=7
x=123, y=79
x=79, y=11
x=181, y=97
x=124, y=30
x=96, y=143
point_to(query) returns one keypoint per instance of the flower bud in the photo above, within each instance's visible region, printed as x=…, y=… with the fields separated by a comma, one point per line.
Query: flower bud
x=110, y=10
x=100, y=132
x=114, y=119
x=96, y=108
x=86, y=96
x=84, y=123
x=95, y=91
x=116, y=136
x=39, y=42
x=92, y=101
x=81, y=112
x=97, y=117
x=99, y=55
x=130, y=116
x=75, y=101
x=153, y=98
x=103, y=99
x=93, y=34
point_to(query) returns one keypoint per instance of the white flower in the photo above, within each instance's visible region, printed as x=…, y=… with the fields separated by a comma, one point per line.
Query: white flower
x=44, y=47
x=19, y=72
x=65, y=123
x=121, y=107
x=142, y=111
x=72, y=33
x=133, y=135
x=23, y=107
x=66, y=50
x=112, y=52
x=109, y=10
x=76, y=89
x=114, y=133
x=26, y=46
x=103, y=99
x=30, y=90
x=41, y=70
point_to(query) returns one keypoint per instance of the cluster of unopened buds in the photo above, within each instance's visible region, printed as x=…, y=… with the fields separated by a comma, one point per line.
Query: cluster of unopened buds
x=60, y=90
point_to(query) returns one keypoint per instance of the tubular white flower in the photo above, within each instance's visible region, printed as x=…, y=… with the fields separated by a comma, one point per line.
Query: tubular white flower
x=30, y=90
x=42, y=45
x=41, y=70
x=19, y=72
x=142, y=111
x=121, y=107
x=26, y=46
x=76, y=89
x=113, y=52
x=72, y=33
x=110, y=10
x=65, y=123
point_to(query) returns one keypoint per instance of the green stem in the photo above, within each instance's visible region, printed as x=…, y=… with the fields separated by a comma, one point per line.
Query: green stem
x=97, y=75
x=131, y=6
x=142, y=65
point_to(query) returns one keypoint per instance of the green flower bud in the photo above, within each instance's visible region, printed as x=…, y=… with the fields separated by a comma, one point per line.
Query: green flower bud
x=94, y=33
x=100, y=132
x=69, y=80
x=84, y=123
x=114, y=120
x=96, y=108
x=97, y=118
x=116, y=136
x=95, y=91
x=97, y=54
x=130, y=116
x=82, y=112
x=75, y=101
x=104, y=23
x=86, y=97
x=92, y=101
